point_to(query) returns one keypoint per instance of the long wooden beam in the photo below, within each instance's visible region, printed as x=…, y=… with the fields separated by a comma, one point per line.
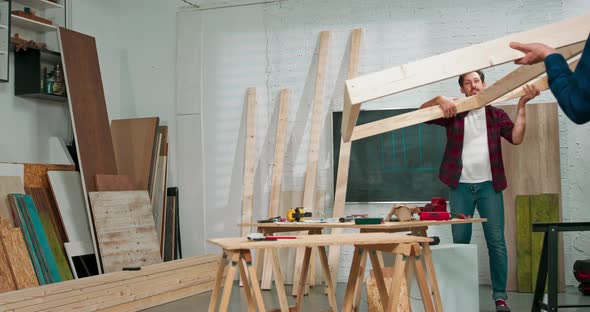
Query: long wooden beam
x=439, y=67
x=249, y=160
x=344, y=158
x=503, y=86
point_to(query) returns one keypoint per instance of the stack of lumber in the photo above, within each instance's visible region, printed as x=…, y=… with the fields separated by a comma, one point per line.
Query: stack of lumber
x=127, y=290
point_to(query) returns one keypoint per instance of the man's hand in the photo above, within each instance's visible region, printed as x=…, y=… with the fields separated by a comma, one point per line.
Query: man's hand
x=531, y=92
x=447, y=105
x=533, y=52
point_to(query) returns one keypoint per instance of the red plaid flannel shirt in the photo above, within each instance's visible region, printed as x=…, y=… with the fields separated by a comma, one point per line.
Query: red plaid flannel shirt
x=498, y=125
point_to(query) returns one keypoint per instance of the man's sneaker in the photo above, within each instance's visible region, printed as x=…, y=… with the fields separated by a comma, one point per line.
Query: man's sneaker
x=501, y=306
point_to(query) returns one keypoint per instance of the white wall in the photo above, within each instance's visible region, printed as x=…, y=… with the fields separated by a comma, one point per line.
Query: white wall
x=272, y=46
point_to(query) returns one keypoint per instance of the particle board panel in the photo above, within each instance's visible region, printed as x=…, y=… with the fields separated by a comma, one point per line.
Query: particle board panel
x=533, y=167
x=125, y=229
x=133, y=141
x=36, y=174
x=114, y=183
x=69, y=196
x=9, y=185
x=18, y=257
x=52, y=225
x=6, y=278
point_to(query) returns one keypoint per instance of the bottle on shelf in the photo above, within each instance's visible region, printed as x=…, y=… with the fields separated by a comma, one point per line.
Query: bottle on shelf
x=58, y=84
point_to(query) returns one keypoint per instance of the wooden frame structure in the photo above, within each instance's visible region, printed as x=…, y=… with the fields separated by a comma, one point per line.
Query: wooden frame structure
x=454, y=63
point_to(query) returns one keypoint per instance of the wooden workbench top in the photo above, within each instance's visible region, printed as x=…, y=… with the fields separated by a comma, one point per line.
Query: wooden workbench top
x=235, y=243
x=386, y=225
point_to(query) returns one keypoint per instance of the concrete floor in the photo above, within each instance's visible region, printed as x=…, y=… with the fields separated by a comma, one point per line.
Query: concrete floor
x=317, y=301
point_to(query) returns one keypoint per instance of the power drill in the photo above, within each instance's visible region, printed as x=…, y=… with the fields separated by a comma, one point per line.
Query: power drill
x=297, y=214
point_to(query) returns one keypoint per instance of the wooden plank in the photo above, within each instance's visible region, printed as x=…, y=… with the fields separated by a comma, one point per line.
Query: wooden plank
x=9, y=185
x=114, y=183
x=249, y=158
x=468, y=59
x=56, y=292
x=317, y=116
x=43, y=197
x=510, y=82
x=277, y=175
x=535, y=159
x=125, y=229
x=17, y=256
x=69, y=196
x=36, y=174
x=524, y=270
x=86, y=100
x=344, y=157
x=157, y=200
x=46, y=212
x=133, y=143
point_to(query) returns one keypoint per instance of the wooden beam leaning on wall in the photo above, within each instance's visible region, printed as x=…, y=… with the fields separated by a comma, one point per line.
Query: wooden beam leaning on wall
x=277, y=176
x=446, y=65
x=344, y=159
x=510, y=82
x=311, y=172
x=249, y=160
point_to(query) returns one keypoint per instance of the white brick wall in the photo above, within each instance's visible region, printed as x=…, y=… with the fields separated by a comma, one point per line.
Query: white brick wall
x=395, y=32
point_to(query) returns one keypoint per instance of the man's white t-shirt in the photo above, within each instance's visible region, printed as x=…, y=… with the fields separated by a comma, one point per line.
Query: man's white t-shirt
x=476, y=154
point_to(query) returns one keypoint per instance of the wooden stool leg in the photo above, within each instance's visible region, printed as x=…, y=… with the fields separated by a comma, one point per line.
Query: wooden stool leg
x=219, y=277
x=229, y=280
x=303, y=278
x=359, y=282
x=246, y=285
x=247, y=256
x=284, y=304
x=378, y=274
x=328, y=278
x=427, y=255
x=352, y=279
x=421, y=279
x=396, y=282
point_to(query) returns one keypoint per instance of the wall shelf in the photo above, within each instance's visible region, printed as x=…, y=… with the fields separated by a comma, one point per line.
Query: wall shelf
x=39, y=4
x=30, y=24
x=45, y=96
x=5, y=6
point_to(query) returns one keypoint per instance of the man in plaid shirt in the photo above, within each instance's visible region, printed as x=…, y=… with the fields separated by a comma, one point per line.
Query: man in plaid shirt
x=473, y=168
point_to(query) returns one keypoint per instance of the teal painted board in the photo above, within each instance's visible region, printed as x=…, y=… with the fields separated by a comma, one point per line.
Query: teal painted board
x=23, y=224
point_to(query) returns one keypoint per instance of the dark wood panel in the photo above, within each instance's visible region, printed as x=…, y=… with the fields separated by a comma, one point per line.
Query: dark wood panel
x=114, y=182
x=87, y=106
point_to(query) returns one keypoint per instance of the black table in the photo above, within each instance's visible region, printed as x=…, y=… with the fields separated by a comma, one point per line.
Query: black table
x=548, y=267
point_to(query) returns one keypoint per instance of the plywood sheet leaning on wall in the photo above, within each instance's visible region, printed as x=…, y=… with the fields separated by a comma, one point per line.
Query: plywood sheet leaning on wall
x=532, y=167
x=133, y=143
x=120, y=291
x=125, y=229
x=18, y=260
x=114, y=183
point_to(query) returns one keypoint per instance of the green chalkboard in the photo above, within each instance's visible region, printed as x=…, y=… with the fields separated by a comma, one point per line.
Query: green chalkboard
x=400, y=165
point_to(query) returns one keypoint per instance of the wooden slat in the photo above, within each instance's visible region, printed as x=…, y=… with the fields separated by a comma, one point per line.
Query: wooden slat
x=533, y=167
x=512, y=81
x=17, y=256
x=344, y=158
x=454, y=63
x=277, y=175
x=9, y=185
x=37, y=295
x=86, y=100
x=125, y=229
x=249, y=159
x=114, y=183
x=317, y=116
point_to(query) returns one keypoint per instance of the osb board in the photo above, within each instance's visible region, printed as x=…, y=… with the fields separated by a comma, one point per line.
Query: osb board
x=36, y=174
x=87, y=105
x=125, y=229
x=114, y=183
x=18, y=258
x=133, y=142
x=52, y=224
x=6, y=279
x=531, y=168
x=9, y=185
x=374, y=299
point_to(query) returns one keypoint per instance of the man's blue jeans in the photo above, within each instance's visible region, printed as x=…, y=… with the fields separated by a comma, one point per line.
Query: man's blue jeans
x=490, y=205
